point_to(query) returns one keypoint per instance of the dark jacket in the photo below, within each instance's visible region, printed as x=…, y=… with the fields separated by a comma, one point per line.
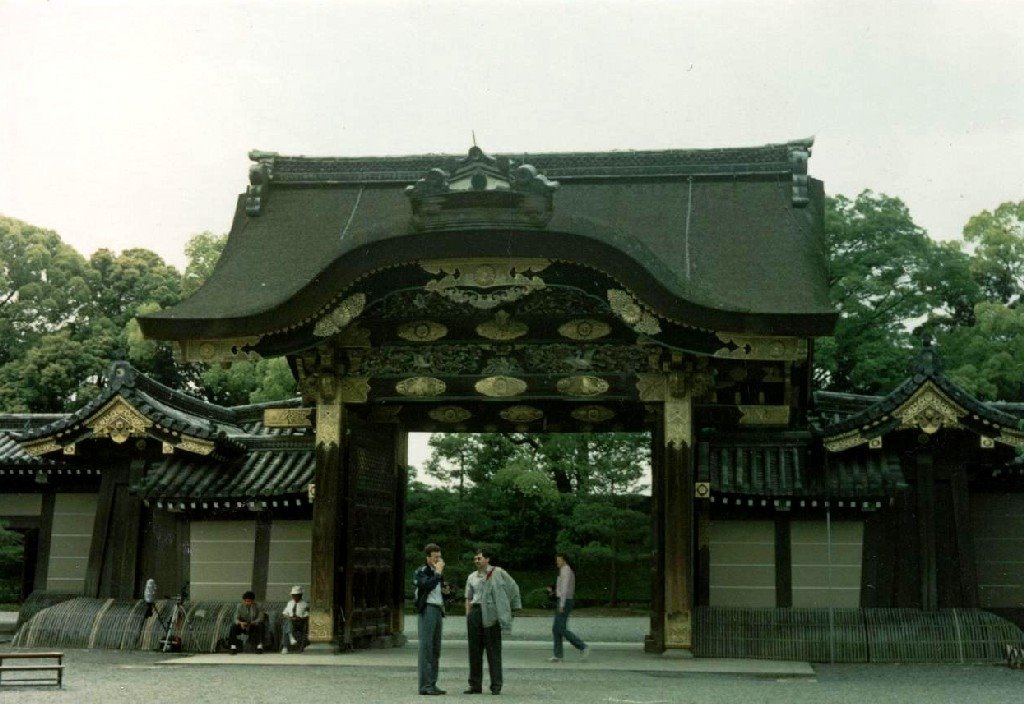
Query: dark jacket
x=424, y=580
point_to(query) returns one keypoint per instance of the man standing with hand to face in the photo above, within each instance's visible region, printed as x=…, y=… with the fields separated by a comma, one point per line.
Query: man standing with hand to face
x=429, y=583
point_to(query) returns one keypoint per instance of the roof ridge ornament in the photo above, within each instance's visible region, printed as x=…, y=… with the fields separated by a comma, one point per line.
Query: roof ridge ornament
x=482, y=191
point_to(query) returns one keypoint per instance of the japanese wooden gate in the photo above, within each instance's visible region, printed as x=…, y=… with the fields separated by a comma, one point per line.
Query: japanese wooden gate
x=467, y=302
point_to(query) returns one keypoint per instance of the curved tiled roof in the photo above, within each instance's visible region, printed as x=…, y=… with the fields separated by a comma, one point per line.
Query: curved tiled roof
x=716, y=238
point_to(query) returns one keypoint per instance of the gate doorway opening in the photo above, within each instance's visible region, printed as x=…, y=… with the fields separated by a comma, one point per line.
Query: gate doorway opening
x=527, y=495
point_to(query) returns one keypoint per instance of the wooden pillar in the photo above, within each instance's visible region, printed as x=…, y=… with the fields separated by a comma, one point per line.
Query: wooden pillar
x=398, y=554
x=45, y=541
x=673, y=479
x=326, y=525
x=654, y=642
x=261, y=555
x=926, y=530
x=783, y=562
x=961, y=517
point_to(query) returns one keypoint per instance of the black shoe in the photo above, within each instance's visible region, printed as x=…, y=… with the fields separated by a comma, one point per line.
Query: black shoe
x=473, y=691
x=495, y=690
x=432, y=690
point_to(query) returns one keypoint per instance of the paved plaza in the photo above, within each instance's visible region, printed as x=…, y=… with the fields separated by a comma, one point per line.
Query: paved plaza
x=617, y=672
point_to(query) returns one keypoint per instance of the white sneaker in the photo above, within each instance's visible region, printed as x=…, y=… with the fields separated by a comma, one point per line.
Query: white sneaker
x=292, y=641
x=554, y=659
x=284, y=651
x=585, y=652
x=234, y=650
x=259, y=648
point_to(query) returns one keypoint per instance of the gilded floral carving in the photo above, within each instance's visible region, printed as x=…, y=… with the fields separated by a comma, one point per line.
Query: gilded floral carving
x=421, y=386
x=584, y=329
x=119, y=421
x=335, y=321
x=521, y=414
x=593, y=414
x=422, y=331
x=449, y=414
x=632, y=313
x=500, y=386
x=582, y=385
x=501, y=327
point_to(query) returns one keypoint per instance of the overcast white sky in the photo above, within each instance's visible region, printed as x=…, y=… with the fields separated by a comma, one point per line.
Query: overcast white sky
x=125, y=124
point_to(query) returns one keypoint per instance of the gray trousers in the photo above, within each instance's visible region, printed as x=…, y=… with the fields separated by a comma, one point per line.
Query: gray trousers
x=482, y=639
x=429, y=625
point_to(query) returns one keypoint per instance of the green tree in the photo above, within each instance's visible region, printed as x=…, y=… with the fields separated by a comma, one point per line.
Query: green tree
x=998, y=240
x=885, y=275
x=202, y=253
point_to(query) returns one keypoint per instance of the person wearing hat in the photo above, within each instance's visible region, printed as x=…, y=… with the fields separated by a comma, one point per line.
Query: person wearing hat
x=294, y=621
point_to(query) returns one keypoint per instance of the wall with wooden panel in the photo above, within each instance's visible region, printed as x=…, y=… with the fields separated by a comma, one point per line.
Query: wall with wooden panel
x=742, y=563
x=70, y=539
x=826, y=563
x=290, y=551
x=221, y=559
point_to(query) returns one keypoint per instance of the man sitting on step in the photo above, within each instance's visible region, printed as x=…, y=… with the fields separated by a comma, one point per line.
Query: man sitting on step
x=251, y=620
x=294, y=622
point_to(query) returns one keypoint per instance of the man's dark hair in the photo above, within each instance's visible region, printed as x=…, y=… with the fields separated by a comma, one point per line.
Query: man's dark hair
x=567, y=559
x=431, y=547
x=249, y=595
x=486, y=552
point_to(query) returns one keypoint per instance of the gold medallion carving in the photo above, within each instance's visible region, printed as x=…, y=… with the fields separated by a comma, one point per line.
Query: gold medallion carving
x=521, y=414
x=581, y=385
x=217, y=351
x=929, y=409
x=347, y=311
x=500, y=386
x=119, y=421
x=501, y=327
x=450, y=414
x=702, y=490
x=740, y=346
x=632, y=313
x=584, y=329
x=422, y=331
x=593, y=414
x=421, y=386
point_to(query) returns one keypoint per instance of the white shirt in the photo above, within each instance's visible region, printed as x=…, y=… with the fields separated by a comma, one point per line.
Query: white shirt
x=475, y=585
x=299, y=609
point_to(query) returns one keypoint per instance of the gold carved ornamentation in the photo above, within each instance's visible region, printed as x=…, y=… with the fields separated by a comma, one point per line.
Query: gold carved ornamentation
x=702, y=490
x=335, y=321
x=461, y=276
x=195, y=445
x=764, y=415
x=288, y=418
x=119, y=421
x=42, y=446
x=760, y=347
x=678, y=422
x=651, y=387
x=236, y=349
x=678, y=630
x=501, y=327
x=321, y=626
x=581, y=385
x=311, y=492
x=421, y=386
x=929, y=409
x=353, y=389
x=987, y=443
x=593, y=414
x=328, y=424
x=584, y=329
x=449, y=414
x=166, y=448
x=1011, y=438
x=632, y=313
x=500, y=386
x=875, y=443
x=422, y=331
x=521, y=414
x=844, y=441
x=69, y=449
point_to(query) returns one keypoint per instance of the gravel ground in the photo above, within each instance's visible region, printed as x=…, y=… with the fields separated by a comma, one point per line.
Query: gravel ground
x=110, y=676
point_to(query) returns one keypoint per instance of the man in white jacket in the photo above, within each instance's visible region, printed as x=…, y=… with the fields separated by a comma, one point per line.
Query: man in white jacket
x=491, y=597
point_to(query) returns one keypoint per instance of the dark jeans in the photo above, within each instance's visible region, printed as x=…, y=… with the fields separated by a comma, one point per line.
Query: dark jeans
x=560, y=629
x=256, y=633
x=481, y=639
x=429, y=625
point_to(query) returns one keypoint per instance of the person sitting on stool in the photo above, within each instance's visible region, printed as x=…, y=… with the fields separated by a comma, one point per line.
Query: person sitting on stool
x=294, y=621
x=249, y=619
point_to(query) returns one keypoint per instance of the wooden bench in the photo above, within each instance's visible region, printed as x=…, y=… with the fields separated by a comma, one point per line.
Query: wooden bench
x=32, y=668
